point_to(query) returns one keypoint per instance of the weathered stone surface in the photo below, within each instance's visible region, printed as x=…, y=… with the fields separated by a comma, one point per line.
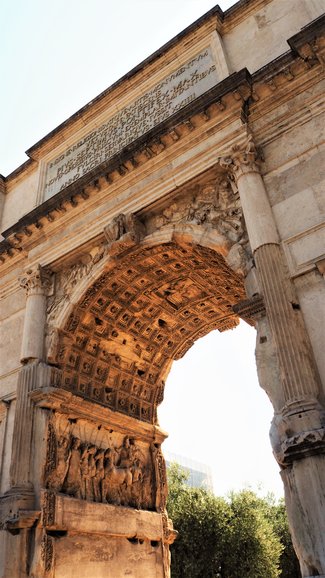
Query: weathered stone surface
x=171, y=94
x=208, y=208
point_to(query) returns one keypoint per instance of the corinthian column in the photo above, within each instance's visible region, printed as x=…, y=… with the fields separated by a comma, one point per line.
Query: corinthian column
x=297, y=433
x=300, y=380
x=37, y=283
x=33, y=374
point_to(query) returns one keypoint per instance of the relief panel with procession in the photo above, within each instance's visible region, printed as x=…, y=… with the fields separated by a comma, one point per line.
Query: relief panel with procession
x=96, y=464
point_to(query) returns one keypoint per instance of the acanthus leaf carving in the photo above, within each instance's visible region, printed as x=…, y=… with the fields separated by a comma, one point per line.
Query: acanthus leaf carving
x=242, y=159
x=37, y=281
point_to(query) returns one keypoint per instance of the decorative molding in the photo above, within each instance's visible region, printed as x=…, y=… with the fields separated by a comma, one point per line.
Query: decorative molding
x=250, y=309
x=243, y=159
x=47, y=552
x=102, y=519
x=68, y=404
x=132, y=158
x=303, y=250
x=36, y=281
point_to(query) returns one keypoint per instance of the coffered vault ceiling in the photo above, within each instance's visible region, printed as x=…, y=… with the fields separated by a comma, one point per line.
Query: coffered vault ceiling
x=118, y=344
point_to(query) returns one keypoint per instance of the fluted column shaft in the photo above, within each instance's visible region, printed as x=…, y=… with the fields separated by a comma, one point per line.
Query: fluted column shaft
x=299, y=377
x=298, y=372
x=36, y=282
x=297, y=432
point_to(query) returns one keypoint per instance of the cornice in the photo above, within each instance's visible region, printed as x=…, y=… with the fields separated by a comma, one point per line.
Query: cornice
x=249, y=96
x=2, y=184
x=236, y=88
x=215, y=18
x=76, y=407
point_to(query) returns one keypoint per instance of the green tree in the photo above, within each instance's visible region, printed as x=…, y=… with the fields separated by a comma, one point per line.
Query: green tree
x=253, y=549
x=244, y=536
x=202, y=521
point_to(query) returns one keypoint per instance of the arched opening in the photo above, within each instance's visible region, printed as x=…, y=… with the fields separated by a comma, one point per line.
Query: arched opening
x=166, y=277
x=218, y=417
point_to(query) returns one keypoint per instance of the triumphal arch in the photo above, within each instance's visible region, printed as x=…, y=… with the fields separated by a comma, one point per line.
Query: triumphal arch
x=184, y=197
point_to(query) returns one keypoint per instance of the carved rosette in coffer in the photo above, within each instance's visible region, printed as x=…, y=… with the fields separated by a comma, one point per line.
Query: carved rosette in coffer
x=96, y=464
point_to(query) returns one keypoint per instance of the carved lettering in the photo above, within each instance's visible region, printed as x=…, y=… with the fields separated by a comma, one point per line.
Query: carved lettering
x=164, y=99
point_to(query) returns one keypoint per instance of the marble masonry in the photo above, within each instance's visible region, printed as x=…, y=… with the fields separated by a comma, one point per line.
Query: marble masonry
x=188, y=195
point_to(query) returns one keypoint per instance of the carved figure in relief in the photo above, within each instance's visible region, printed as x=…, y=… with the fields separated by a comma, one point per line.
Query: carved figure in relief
x=137, y=484
x=119, y=475
x=123, y=225
x=125, y=454
x=107, y=462
x=72, y=484
x=116, y=481
x=91, y=472
x=99, y=476
x=63, y=453
x=84, y=472
x=216, y=204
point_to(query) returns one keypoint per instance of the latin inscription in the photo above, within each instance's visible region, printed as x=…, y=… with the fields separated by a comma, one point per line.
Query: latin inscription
x=164, y=99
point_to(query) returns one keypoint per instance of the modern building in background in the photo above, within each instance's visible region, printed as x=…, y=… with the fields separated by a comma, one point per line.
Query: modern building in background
x=200, y=475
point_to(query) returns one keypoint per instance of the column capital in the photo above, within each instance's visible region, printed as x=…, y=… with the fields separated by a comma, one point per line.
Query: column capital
x=243, y=159
x=36, y=280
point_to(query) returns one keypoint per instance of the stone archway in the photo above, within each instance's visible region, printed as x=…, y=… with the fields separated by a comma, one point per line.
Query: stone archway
x=118, y=311
x=219, y=171
x=160, y=282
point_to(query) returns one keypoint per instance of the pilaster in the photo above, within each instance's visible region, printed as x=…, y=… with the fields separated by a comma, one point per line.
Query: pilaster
x=300, y=381
x=285, y=360
x=33, y=374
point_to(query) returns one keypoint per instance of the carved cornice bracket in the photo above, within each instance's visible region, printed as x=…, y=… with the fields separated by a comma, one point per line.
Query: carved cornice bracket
x=22, y=519
x=250, y=309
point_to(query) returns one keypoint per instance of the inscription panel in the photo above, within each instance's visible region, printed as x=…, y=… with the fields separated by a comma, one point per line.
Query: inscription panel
x=167, y=97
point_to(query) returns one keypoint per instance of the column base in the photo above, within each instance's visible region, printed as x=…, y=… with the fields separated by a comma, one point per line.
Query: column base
x=17, y=508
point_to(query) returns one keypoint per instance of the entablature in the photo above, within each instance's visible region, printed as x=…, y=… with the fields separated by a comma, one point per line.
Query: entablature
x=240, y=99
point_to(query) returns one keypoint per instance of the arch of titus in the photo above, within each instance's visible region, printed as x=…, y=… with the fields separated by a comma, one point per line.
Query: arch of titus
x=184, y=197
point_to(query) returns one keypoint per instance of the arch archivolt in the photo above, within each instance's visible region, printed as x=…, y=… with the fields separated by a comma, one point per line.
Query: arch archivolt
x=142, y=295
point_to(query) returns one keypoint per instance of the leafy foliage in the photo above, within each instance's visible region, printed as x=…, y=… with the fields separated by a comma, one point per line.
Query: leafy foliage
x=242, y=537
